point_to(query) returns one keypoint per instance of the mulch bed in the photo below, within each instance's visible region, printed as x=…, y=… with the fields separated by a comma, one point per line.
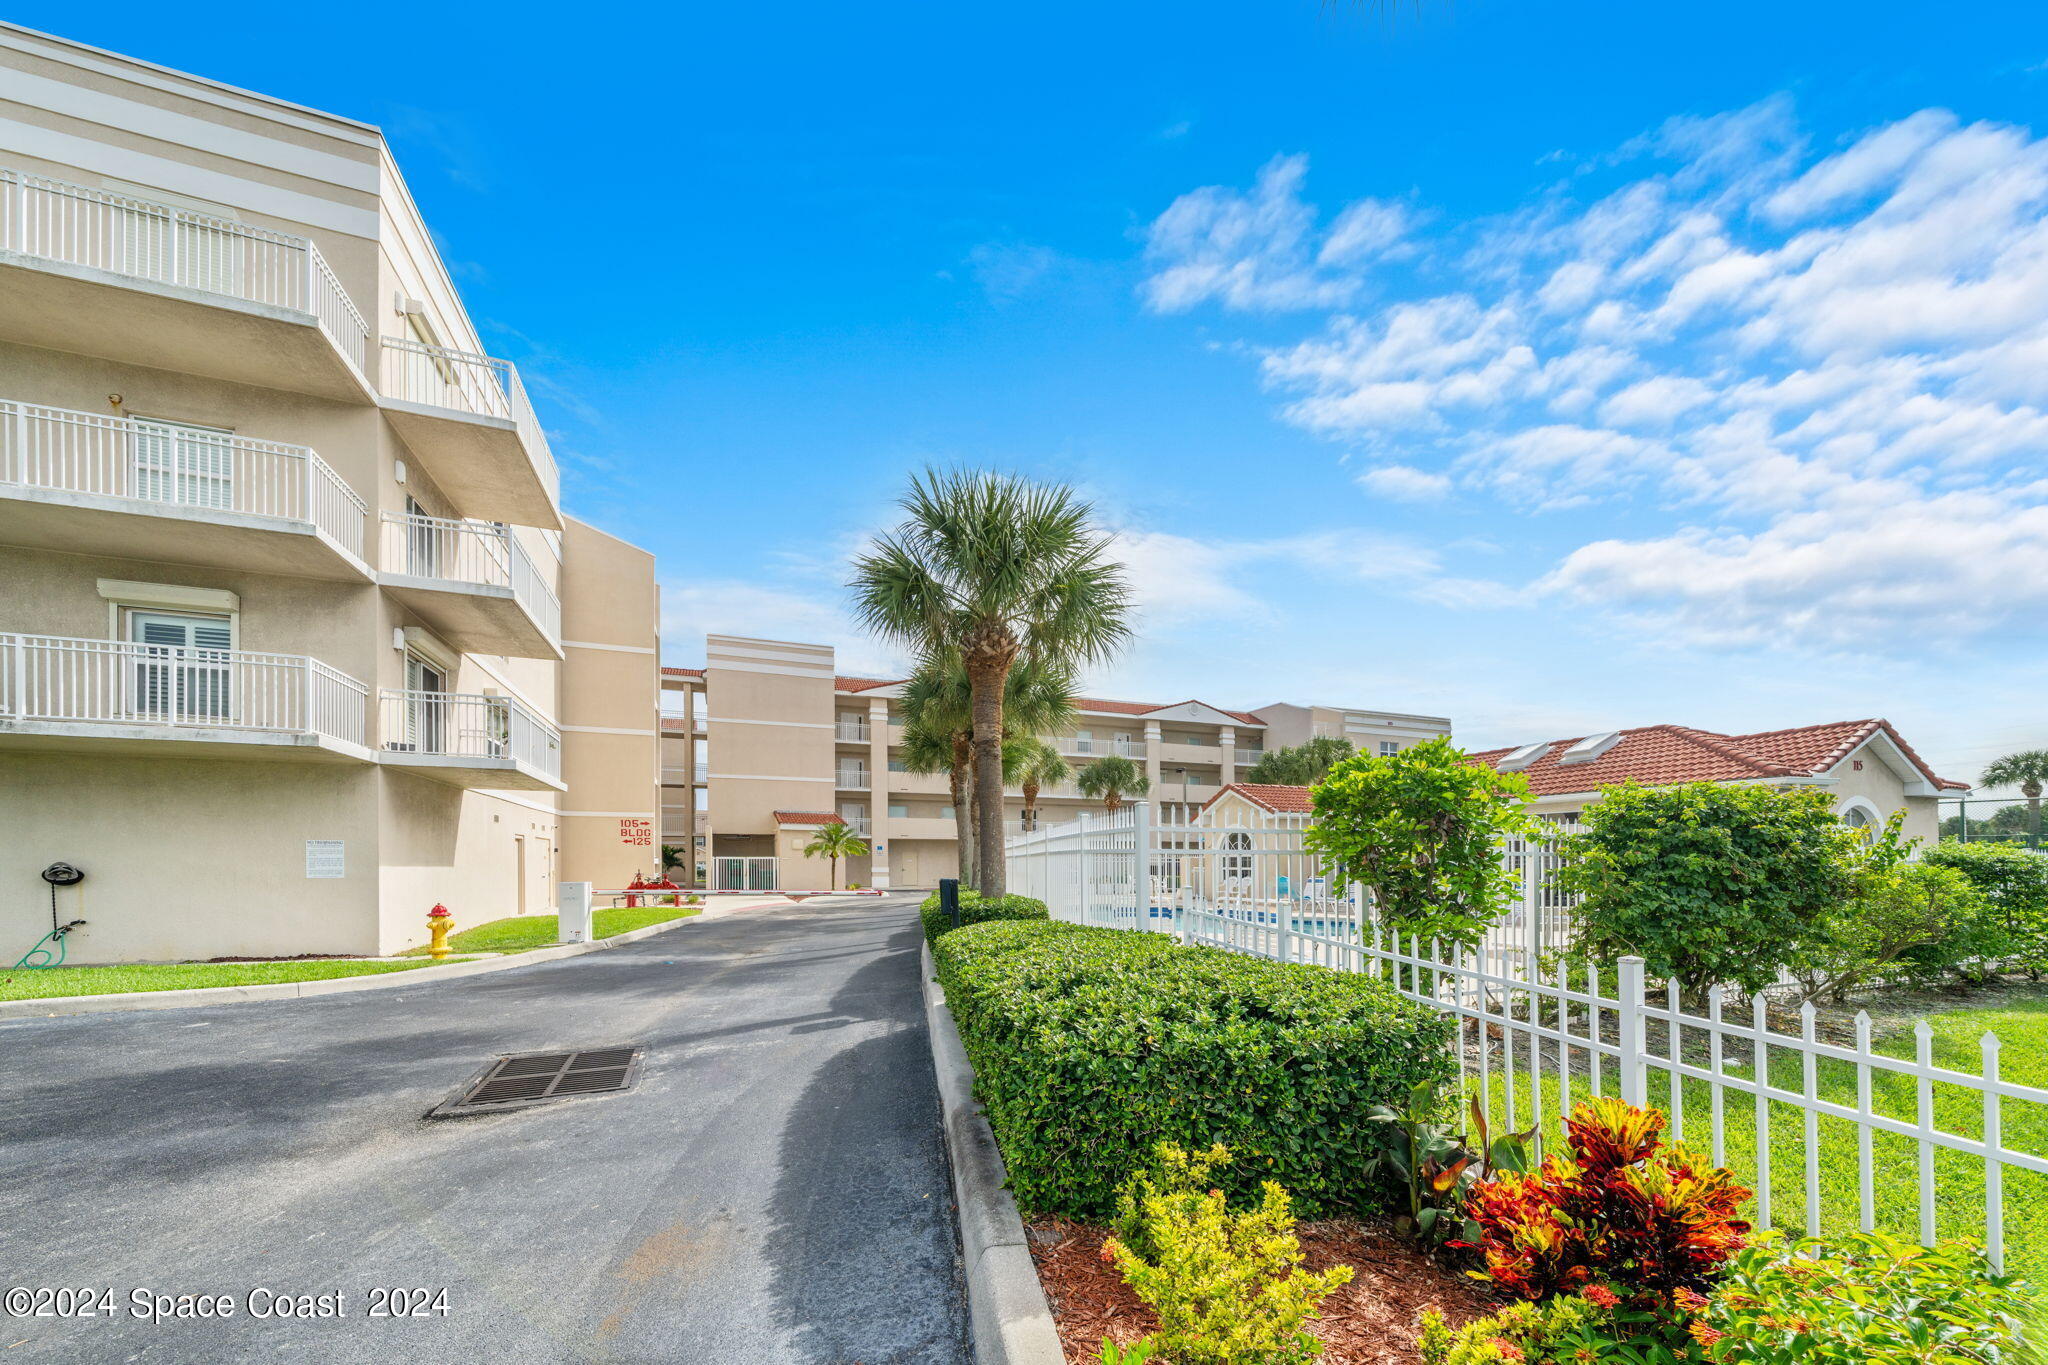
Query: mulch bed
x=1370, y=1321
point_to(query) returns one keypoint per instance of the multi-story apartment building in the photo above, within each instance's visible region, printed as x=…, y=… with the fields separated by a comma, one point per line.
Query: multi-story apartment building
x=1370, y=732
x=295, y=640
x=768, y=741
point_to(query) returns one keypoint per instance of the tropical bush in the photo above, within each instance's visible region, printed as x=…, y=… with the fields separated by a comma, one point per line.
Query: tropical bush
x=2015, y=884
x=1625, y=1210
x=1861, y=1299
x=1227, y=1286
x=1093, y=1046
x=976, y=908
x=1593, y=1327
x=1422, y=830
x=1709, y=883
x=1432, y=1163
x=1906, y=921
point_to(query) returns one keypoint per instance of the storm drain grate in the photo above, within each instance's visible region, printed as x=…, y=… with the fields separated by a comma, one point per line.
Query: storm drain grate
x=537, y=1077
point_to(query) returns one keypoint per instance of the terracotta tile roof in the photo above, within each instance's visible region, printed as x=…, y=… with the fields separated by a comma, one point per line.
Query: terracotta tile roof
x=1663, y=755
x=1146, y=708
x=807, y=817
x=1272, y=796
x=679, y=724
x=682, y=672
x=845, y=684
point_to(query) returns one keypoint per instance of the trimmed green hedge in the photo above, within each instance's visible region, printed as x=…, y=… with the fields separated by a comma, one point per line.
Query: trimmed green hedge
x=1091, y=1046
x=976, y=909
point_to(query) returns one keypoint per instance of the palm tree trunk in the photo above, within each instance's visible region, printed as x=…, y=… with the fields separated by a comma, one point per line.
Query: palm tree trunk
x=1030, y=804
x=833, y=883
x=963, y=828
x=1112, y=799
x=985, y=675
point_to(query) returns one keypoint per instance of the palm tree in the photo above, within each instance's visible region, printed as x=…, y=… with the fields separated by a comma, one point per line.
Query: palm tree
x=1113, y=778
x=1042, y=766
x=991, y=569
x=672, y=855
x=835, y=841
x=938, y=705
x=2027, y=770
x=1302, y=766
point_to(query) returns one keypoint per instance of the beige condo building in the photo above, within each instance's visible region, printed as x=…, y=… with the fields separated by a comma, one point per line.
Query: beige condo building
x=295, y=638
x=768, y=741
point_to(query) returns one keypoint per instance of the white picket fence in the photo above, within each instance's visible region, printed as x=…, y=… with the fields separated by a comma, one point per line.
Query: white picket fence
x=1933, y=1148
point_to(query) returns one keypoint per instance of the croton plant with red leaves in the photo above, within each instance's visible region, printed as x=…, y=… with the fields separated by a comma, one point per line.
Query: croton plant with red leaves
x=1625, y=1209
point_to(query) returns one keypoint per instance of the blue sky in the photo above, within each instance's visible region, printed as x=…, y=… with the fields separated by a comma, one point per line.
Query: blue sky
x=1551, y=368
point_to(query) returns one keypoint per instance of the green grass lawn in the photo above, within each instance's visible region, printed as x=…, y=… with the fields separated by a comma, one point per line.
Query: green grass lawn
x=522, y=932
x=51, y=982
x=2022, y=1027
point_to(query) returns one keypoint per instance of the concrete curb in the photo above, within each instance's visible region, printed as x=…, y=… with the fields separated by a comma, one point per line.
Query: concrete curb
x=128, y=1001
x=1006, y=1308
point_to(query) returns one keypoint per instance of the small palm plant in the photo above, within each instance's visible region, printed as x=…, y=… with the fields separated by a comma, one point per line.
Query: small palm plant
x=2027, y=770
x=1041, y=766
x=1112, y=779
x=835, y=841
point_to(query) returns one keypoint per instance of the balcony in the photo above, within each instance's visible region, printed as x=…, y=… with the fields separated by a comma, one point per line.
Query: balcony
x=851, y=779
x=466, y=417
x=115, y=697
x=1087, y=749
x=473, y=583
x=852, y=732
x=92, y=483
x=859, y=824
x=126, y=279
x=470, y=740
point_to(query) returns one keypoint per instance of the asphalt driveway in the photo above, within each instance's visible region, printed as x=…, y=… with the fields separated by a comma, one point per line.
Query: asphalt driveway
x=774, y=1189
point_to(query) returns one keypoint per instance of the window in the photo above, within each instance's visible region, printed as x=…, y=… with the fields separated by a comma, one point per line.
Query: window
x=188, y=465
x=898, y=811
x=425, y=721
x=1389, y=747
x=183, y=668
x=1237, y=856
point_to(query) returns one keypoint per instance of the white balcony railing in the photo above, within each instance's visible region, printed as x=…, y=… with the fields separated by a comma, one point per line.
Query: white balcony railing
x=859, y=824
x=853, y=731
x=469, y=552
x=119, y=457
x=852, y=779
x=79, y=226
x=1244, y=758
x=1097, y=748
x=469, y=725
x=443, y=377
x=55, y=678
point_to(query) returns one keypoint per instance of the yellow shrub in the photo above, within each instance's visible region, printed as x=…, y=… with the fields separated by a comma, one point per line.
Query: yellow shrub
x=1228, y=1287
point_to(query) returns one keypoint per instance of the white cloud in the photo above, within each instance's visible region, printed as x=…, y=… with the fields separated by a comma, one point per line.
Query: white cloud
x=1260, y=250
x=1404, y=483
x=1824, y=376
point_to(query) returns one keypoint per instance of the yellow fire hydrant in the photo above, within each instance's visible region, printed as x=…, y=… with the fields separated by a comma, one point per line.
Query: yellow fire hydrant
x=439, y=922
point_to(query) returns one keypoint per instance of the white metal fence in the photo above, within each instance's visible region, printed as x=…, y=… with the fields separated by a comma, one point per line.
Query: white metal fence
x=470, y=552
x=159, y=462
x=1831, y=1132
x=443, y=377
x=469, y=725
x=80, y=226
x=55, y=678
x=730, y=873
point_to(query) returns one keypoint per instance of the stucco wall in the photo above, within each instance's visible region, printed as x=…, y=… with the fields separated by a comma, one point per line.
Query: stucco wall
x=187, y=858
